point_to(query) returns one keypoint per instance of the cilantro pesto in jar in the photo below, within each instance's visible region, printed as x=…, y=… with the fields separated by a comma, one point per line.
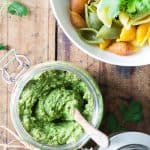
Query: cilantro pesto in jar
x=45, y=103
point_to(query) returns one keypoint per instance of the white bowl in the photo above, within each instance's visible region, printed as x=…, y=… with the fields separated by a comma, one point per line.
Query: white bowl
x=61, y=12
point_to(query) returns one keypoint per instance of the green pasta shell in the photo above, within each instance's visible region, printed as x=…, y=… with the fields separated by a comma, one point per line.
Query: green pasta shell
x=109, y=33
x=89, y=35
x=92, y=19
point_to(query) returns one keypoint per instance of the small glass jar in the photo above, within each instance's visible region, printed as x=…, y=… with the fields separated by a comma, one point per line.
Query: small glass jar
x=129, y=141
x=27, y=76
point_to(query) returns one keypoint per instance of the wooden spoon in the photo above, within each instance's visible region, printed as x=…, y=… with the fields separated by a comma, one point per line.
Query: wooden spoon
x=99, y=137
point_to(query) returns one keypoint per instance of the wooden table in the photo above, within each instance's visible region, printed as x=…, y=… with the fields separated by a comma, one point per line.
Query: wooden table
x=39, y=38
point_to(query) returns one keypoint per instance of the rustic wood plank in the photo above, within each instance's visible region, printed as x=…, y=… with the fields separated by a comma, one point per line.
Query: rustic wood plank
x=3, y=85
x=33, y=36
x=118, y=84
x=51, y=35
x=29, y=35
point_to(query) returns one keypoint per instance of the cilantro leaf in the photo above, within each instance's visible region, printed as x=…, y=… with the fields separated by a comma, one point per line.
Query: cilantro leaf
x=113, y=124
x=2, y=47
x=16, y=8
x=135, y=106
x=132, y=112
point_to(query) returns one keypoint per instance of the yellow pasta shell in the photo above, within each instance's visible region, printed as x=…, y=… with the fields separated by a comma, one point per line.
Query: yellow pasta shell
x=105, y=44
x=149, y=36
x=128, y=34
x=143, y=33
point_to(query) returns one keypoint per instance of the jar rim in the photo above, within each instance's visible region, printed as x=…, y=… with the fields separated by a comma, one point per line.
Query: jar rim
x=56, y=65
x=129, y=140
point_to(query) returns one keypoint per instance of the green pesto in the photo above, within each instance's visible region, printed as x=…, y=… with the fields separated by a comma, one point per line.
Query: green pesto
x=46, y=103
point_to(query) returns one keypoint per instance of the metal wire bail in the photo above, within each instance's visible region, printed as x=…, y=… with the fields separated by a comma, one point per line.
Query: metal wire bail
x=7, y=63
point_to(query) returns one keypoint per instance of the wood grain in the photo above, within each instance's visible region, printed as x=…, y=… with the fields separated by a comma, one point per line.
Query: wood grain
x=118, y=84
x=3, y=86
x=33, y=36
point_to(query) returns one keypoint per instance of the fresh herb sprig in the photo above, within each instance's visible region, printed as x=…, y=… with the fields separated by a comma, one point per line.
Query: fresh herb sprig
x=15, y=8
x=113, y=124
x=2, y=47
x=131, y=113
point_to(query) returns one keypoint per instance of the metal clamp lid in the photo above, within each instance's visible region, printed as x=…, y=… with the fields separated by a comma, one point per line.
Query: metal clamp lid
x=12, y=61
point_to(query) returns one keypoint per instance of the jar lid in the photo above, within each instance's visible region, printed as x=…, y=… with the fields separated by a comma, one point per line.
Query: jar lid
x=129, y=141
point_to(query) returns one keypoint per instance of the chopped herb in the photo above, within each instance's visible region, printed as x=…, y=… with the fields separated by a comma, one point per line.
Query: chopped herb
x=132, y=112
x=2, y=47
x=16, y=8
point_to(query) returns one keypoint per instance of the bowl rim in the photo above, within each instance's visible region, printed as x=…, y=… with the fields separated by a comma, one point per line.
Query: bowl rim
x=87, y=52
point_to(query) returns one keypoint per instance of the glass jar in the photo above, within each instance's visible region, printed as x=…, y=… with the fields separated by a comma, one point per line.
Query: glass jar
x=23, y=78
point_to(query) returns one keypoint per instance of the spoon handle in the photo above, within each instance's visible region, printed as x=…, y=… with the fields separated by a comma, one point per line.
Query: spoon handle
x=99, y=137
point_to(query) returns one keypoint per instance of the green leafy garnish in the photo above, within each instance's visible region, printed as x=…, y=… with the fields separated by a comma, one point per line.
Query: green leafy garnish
x=2, y=47
x=113, y=124
x=135, y=8
x=132, y=112
x=16, y=8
